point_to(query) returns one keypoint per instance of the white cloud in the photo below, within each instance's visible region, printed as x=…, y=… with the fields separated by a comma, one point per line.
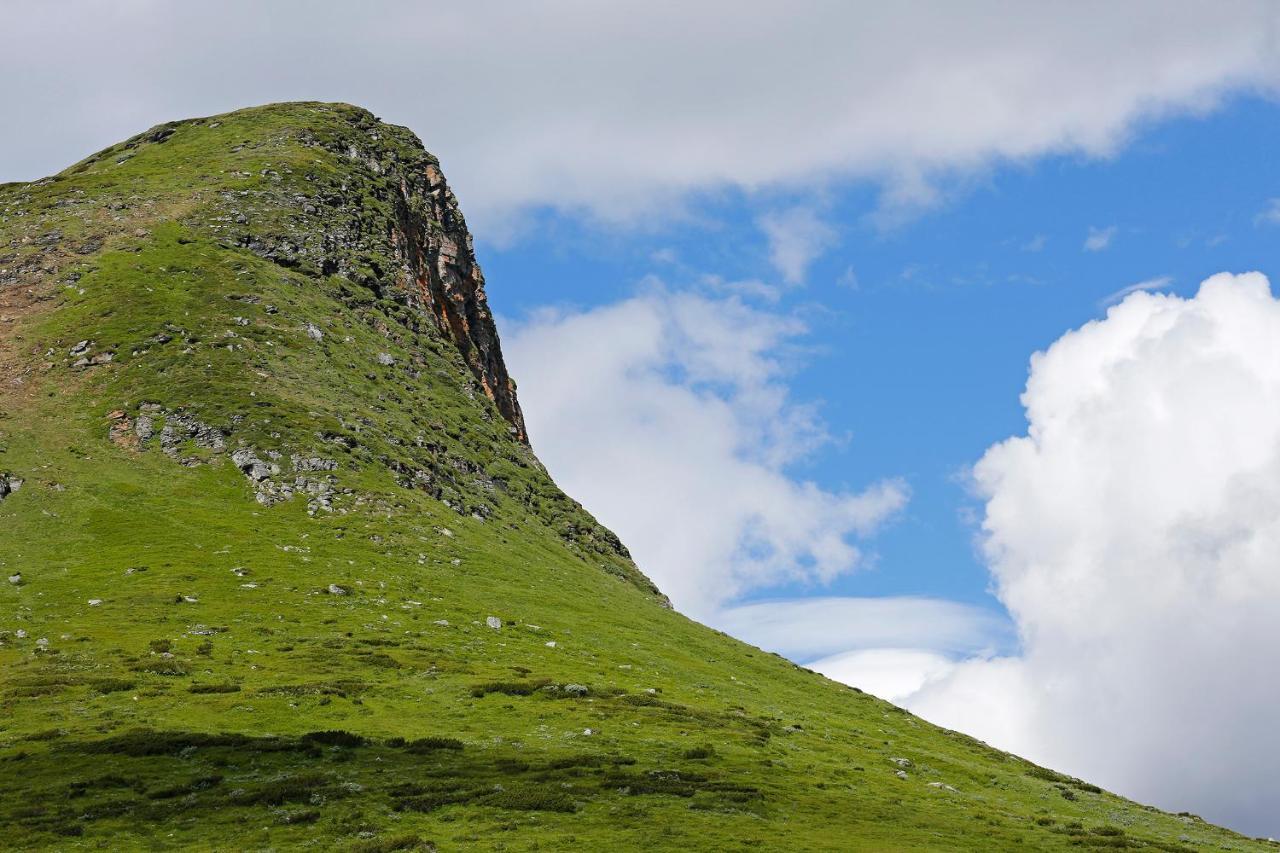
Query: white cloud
x=623, y=109
x=1157, y=283
x=891, y=674
x=1270, y=215
x=1035, y=244
x=666, y=416
x=797, y=236
x=818, y=627
x=1134, y=537
x=891, y=647
x=1099, y=238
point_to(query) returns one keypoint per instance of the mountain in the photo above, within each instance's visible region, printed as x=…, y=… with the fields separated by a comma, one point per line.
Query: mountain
x=283, y=570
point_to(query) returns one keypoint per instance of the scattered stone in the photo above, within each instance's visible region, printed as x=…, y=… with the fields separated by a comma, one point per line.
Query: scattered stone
x=334, y=589
x=313, y=332
x=901, y=774
x=443, y=623
x=43, y=642
x=386, y=359
x=8, y=485
x=901, y=762
x=493, y=622
x=943, y=786
x=588, y=732
x=577, y=689
x=16, y=579
x=80, y=348
x=94, y=602
x=313, y=463
x=250, y=465
x=180, y=427
x=20, y=634
x=551, y=644
x=100, y=358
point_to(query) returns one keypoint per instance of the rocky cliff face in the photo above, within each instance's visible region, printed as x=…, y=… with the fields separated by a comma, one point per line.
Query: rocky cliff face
x=391, y=222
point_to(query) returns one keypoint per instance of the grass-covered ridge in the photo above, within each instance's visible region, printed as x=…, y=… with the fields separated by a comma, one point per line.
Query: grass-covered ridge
x=284, y=577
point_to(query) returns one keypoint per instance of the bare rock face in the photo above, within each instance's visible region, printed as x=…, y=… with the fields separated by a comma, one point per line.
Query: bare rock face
x=392, y=224
x=447, y=282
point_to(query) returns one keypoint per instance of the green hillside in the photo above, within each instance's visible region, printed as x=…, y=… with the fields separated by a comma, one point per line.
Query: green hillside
x=282, y=571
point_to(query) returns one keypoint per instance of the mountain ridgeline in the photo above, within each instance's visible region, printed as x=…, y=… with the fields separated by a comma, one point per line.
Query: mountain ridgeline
x=281, y=570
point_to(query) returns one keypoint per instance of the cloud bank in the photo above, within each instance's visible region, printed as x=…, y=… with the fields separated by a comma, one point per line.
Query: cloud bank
x=622, y=110
x=1134, y=536
x=665, y=414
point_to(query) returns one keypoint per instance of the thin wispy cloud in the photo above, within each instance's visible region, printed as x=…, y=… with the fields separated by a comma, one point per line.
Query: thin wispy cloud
x=1269, y=215
x=1099, y=239
x=1157, y=283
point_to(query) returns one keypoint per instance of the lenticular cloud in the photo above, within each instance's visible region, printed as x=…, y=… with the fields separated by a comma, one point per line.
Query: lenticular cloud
x=1134, y=535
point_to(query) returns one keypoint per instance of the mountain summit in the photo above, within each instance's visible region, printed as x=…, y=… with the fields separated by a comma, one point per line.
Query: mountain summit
x=283, y=570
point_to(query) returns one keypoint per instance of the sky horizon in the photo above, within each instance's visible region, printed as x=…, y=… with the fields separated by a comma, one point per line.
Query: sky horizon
x=935, y=350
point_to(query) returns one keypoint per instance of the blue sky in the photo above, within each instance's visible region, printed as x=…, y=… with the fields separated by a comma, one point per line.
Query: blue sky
x=918, y=363
x=771, y=279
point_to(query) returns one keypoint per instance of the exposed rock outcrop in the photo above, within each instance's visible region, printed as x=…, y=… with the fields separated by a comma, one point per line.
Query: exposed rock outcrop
x=392, y=224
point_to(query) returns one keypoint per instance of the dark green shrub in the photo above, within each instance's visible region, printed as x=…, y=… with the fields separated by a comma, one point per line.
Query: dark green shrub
x=335, y=737
x=430, y=744
x=112, y=685
x=284, y=790
x=508, y=688
x=182, y=790
x=533, y=798
x=163, y=666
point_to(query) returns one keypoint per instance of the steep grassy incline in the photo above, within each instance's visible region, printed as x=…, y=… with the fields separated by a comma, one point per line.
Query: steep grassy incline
x=282, y=571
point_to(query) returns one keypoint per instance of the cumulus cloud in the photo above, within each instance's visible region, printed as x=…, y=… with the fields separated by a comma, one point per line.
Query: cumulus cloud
x=623, y=109
x=666, y=415
x=797, y=236
x=1099, y=238
x=1133, y=534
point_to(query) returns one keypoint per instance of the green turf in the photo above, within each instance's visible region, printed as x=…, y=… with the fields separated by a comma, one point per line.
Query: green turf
x=183, y=666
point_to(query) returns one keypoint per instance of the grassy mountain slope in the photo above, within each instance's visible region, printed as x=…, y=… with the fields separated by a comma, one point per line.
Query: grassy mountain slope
x=283, y=572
